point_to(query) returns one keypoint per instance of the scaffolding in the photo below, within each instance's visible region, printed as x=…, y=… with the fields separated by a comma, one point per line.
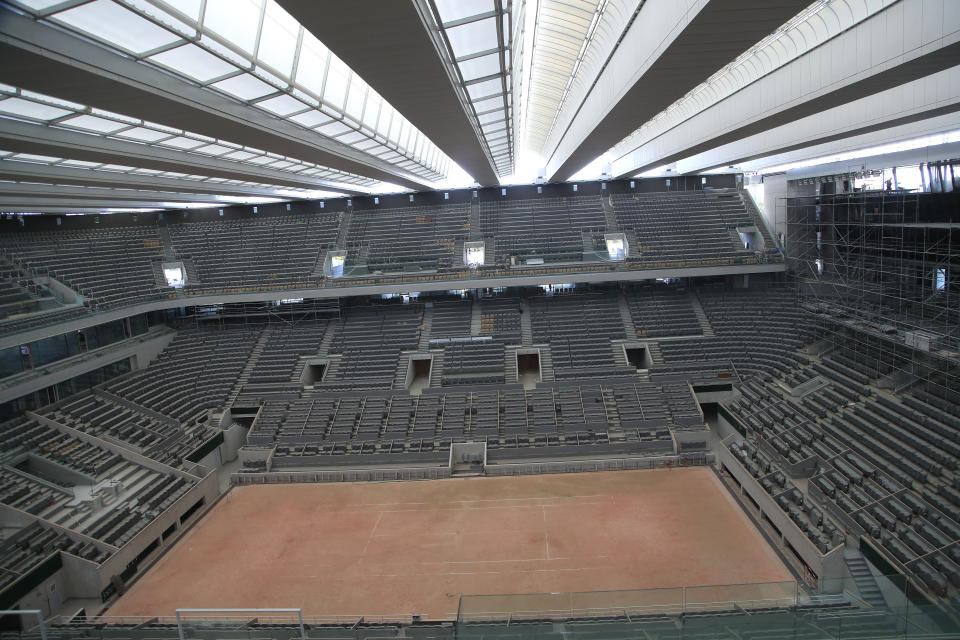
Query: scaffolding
x=878, y=272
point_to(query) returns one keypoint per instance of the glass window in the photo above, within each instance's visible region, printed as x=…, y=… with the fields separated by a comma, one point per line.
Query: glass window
x=451, y=10
x=190, y=8
x=236, y=21
x=312, y=65
x=356, y=97
x=116, y=26
x=10, y=361
x=278, y=39
x=335, y=89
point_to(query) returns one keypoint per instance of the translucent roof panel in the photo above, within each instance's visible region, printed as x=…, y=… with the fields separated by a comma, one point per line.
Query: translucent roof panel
x=278, y=39
x=282, y=105
x=245, y=87
x=473, y=37
x=93, y=123
x=29, y=109
x=236, y=21
x=255, y=52
x=194, y=62
x=116, y=26
x=451, y=10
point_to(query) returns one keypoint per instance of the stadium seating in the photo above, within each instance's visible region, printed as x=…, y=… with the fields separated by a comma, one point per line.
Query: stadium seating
x=118, y=266
x=273, y=252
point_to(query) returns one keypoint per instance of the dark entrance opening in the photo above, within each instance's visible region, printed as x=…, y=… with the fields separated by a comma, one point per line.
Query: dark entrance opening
x=638, y=357
x=313, y=373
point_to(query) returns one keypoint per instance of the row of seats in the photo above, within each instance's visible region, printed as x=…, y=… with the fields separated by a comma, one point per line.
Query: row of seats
x=120, y=265
x=887, y=462
x=485, y=411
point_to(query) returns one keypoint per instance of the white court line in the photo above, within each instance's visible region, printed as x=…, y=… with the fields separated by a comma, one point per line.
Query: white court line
x=447, y=507
x=546, y=534
x=370, y=537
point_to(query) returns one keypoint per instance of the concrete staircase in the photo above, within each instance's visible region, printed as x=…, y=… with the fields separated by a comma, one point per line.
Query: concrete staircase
x=475, y=233
x=344, y=225
x=327, y=338
x=546, y=364
x=526, y=326
x=166, y=243
x=400, y=377
x=655, y=354
x=475, y=318
x=628, y=326
x=610, y=215
x=436, y=369
x=244, y=376
x=701, y=316
x=510, y=375
x=610, y=409
x=863, y=578
x=425, y=327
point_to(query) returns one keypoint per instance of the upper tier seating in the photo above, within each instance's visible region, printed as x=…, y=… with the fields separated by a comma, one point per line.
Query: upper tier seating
x=273, y=252
x=548, y=228
x=681, y=226
x=106, y=266
x=407, y=239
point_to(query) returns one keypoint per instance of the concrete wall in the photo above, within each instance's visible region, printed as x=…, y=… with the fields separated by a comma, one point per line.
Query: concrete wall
x=827, y=567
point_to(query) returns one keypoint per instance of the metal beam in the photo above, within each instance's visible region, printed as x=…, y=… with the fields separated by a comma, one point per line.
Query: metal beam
x=10, y=192
x=41, y=58
x=14, y=202
x=405, y=67
x=908, y=49
x=667, y=52
x=29, y=172
x=24, y=137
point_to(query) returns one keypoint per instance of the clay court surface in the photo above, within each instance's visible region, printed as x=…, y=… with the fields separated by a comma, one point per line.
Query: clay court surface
x=414, y=547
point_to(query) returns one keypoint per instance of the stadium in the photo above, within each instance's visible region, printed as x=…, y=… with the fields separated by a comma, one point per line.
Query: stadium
x=492, y=319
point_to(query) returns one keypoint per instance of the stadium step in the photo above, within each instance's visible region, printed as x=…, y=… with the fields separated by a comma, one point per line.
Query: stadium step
x=344, y=226
x=510, y=374
x=475, y=233
x=436, y=369
x=628, y=326
x=655, y=354
x=546, y=364
x=425, y=328
x=526, y=326
x=863, y=578
x=244, y=376
x=166, y=243
x=701, y=317
x=610, y=215
x=328, y=338
x=475, y=320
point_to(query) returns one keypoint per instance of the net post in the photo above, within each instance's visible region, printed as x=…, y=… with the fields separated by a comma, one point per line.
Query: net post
x=179, y=625
x=303, y=633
